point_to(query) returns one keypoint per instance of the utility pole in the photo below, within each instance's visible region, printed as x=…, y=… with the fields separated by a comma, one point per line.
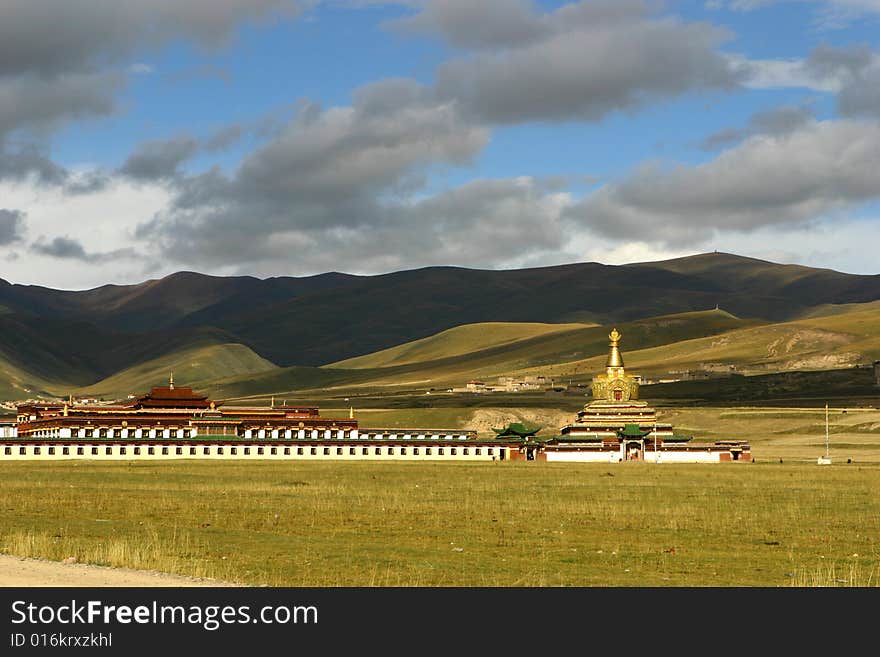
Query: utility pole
x=826, y=460
x=826, y=431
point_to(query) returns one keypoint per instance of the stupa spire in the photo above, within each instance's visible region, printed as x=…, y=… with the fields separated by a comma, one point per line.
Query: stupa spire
x=614, y=357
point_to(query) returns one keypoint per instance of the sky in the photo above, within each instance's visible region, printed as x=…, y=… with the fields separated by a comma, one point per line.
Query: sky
x=295, y=137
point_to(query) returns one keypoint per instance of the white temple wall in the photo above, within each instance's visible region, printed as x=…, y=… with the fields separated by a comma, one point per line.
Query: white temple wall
x=134, y=451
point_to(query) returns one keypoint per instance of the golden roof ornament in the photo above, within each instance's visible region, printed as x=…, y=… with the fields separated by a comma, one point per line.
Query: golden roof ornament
x=614, y=357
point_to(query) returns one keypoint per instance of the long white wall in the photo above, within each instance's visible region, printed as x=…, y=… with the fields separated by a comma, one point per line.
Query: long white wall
x=702, y=456
x=584, y=457
x=359, y=452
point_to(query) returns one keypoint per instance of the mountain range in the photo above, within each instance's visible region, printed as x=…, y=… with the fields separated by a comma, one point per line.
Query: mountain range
x=243, y=334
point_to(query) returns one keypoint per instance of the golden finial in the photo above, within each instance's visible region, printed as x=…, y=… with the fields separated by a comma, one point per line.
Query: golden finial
x=614, y=357
x=171, y=381
x=351, y=412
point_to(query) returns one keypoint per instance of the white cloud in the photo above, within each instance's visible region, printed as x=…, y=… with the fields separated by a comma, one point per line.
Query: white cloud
x=818, y=170
x=100, y=220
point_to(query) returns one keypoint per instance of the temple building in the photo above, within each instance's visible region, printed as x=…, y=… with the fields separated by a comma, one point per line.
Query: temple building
x=616, y=426
x=175, y=422
x=615, y=405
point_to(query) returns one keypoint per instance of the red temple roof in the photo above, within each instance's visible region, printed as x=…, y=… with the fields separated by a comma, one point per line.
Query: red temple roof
x=171, y=397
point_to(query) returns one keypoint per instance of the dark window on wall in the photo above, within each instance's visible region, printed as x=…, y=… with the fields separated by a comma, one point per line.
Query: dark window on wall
x=178, y=451
x=192, y=451
x=80, y=451
x=164, y=451
x=51, y=451
x=137, y=451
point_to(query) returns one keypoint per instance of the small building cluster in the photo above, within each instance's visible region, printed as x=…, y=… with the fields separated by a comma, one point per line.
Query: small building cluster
x=506, y=384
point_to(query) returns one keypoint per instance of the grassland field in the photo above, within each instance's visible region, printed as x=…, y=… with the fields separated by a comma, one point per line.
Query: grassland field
x=781, y=521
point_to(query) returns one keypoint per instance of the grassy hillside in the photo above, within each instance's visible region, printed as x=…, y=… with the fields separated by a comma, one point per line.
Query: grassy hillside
x=541, y=352
x=439, y=326
x=288, y=381
x=818, y=343
x=457, y=342
x=191, y=367
x=16, y=383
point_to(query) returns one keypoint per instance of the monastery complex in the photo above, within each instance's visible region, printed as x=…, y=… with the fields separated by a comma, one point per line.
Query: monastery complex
x=173, y=422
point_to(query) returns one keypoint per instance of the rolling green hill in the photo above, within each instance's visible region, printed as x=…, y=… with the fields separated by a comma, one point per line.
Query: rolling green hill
x=456, y=341
x=826, y=342
x=196, y=367
x=542, y=351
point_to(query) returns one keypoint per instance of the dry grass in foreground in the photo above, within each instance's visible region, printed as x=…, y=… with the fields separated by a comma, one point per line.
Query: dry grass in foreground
x=494, y=524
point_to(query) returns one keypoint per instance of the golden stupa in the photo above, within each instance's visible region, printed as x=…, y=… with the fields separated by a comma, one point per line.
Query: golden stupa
x=615, y=405
x=615, y=384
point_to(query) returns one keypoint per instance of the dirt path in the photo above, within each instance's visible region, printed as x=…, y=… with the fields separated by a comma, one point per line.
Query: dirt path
x=18, y=571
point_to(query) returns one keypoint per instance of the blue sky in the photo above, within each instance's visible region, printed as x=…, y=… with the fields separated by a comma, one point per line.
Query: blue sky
x=274, y=137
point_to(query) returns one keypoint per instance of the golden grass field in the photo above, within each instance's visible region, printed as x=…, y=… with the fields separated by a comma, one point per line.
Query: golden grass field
x=507, y=524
